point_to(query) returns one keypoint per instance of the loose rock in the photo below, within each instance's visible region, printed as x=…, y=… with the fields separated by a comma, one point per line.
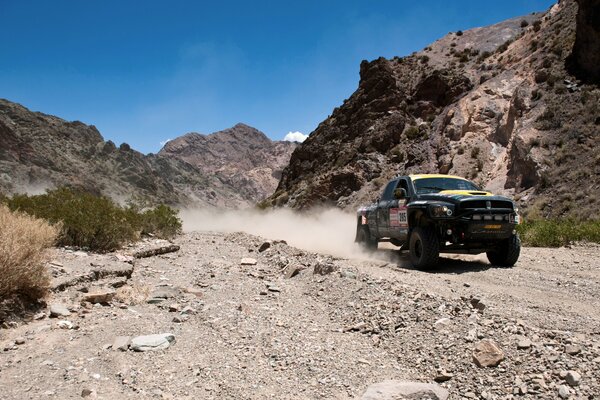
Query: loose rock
x=152, y=342
x=99, y=297
x=248, y=261
x=487, y=354
x=264, y=246
x=400, y=390
x=573, y=378
x=58, y=310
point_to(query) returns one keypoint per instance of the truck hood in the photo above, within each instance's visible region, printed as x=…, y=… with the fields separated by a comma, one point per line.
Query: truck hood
x=458, y=196
x=464, y=193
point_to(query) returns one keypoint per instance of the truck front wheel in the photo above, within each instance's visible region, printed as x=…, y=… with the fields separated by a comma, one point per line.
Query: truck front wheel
x=424, y=248
x=507, y=253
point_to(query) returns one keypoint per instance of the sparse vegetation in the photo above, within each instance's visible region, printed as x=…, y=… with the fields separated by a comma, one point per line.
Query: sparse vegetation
x=503, y=47
x=537, y=25
x=558, y=232
x=23, y=240
x=524, y=23
x=416, y=132
x=475, y=152
x=94, y=222
x=459, y=33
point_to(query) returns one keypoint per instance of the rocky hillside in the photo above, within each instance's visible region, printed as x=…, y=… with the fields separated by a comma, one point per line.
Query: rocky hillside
x=496, y=104
x=241, y=157
x=39, y=151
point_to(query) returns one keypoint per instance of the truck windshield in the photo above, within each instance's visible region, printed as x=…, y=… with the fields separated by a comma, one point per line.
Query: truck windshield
x=434, y=185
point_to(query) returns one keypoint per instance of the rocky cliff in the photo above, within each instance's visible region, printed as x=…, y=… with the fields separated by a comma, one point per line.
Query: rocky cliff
x=241, y=157
x=494, y=104
x=39, y=151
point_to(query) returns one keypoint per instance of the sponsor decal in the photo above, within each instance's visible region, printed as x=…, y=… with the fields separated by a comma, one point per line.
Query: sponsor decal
x=398, y=217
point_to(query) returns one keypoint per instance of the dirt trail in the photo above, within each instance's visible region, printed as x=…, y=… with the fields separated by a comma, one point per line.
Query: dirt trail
x=250, y=332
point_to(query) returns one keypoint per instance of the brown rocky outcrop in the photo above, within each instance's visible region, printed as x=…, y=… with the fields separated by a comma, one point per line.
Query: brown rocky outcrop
x=494, y=104
x=585, y=59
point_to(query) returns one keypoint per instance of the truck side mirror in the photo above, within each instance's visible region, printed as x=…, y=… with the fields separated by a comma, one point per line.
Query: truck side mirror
x=400, y=193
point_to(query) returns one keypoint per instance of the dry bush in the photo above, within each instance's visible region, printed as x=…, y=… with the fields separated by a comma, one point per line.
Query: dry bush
x=23, y=241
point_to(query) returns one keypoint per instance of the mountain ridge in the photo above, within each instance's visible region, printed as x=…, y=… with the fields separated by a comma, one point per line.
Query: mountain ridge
x=40, y=151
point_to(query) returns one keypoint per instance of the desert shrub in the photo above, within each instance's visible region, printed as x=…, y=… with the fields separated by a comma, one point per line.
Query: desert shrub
x=541, y=76
x=413, y=132
x=558, y=232
x=96, y=222
x=424, y=59
x=23, y=241
x=536, y=94
x=503, y=47
x=161, y=221
x=547, y=63
x=459, y=33
x=537, y=25
x=475, y=152
x=483, y=56
x=524, y=23
x=534, y=142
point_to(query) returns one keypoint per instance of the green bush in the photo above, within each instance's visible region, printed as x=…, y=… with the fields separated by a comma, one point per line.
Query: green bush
x=558, y=232
x=94, y=222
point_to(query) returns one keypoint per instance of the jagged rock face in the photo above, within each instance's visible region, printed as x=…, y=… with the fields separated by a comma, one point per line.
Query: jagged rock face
x=490, y=104
x=586, y=52
x=241, y=157
x=39, y=152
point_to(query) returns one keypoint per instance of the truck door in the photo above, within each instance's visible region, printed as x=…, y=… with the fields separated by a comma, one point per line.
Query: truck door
x=398, y=226
x=383, y=209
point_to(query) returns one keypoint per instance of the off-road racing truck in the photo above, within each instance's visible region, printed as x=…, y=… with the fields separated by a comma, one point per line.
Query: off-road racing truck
x=432, y=214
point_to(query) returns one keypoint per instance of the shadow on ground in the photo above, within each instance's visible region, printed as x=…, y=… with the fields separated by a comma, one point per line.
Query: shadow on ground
x=446, y=264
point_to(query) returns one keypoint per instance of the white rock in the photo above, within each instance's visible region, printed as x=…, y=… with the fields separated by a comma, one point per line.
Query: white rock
x=64, y=324
x=248, y=261
x=152, y=342
x=59, y=310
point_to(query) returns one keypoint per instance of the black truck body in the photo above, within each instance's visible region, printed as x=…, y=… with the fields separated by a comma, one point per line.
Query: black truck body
x=415, y=214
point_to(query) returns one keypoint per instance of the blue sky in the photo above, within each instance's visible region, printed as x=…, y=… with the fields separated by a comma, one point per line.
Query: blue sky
x=146, y=71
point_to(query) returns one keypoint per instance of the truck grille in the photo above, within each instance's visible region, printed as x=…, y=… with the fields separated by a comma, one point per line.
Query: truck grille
x=472, y=204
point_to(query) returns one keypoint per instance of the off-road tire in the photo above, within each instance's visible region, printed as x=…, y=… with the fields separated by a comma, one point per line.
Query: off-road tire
x=507, y=253
x=424, y=248
x=365, y=239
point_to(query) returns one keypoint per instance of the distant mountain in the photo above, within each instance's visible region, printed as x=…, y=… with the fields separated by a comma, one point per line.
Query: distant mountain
x=513, y=106
x=39, y=151
x=241, y=157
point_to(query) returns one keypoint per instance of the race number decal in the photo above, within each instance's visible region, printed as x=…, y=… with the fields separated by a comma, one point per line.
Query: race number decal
x=398, y=217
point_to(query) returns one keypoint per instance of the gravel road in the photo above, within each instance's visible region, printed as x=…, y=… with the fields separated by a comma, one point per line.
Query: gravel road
x=286, y=323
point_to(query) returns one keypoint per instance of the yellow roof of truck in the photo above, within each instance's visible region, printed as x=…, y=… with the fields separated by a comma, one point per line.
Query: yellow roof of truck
x=422, y=176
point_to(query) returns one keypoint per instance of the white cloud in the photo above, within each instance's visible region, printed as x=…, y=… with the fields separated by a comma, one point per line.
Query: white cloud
x=295, y=137
x=162, y=143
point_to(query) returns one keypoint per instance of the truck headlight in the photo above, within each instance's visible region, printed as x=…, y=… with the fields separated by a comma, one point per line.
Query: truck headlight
x=441, y=210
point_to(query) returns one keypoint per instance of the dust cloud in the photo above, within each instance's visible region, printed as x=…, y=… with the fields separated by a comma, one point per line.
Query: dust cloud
x=329, y=231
